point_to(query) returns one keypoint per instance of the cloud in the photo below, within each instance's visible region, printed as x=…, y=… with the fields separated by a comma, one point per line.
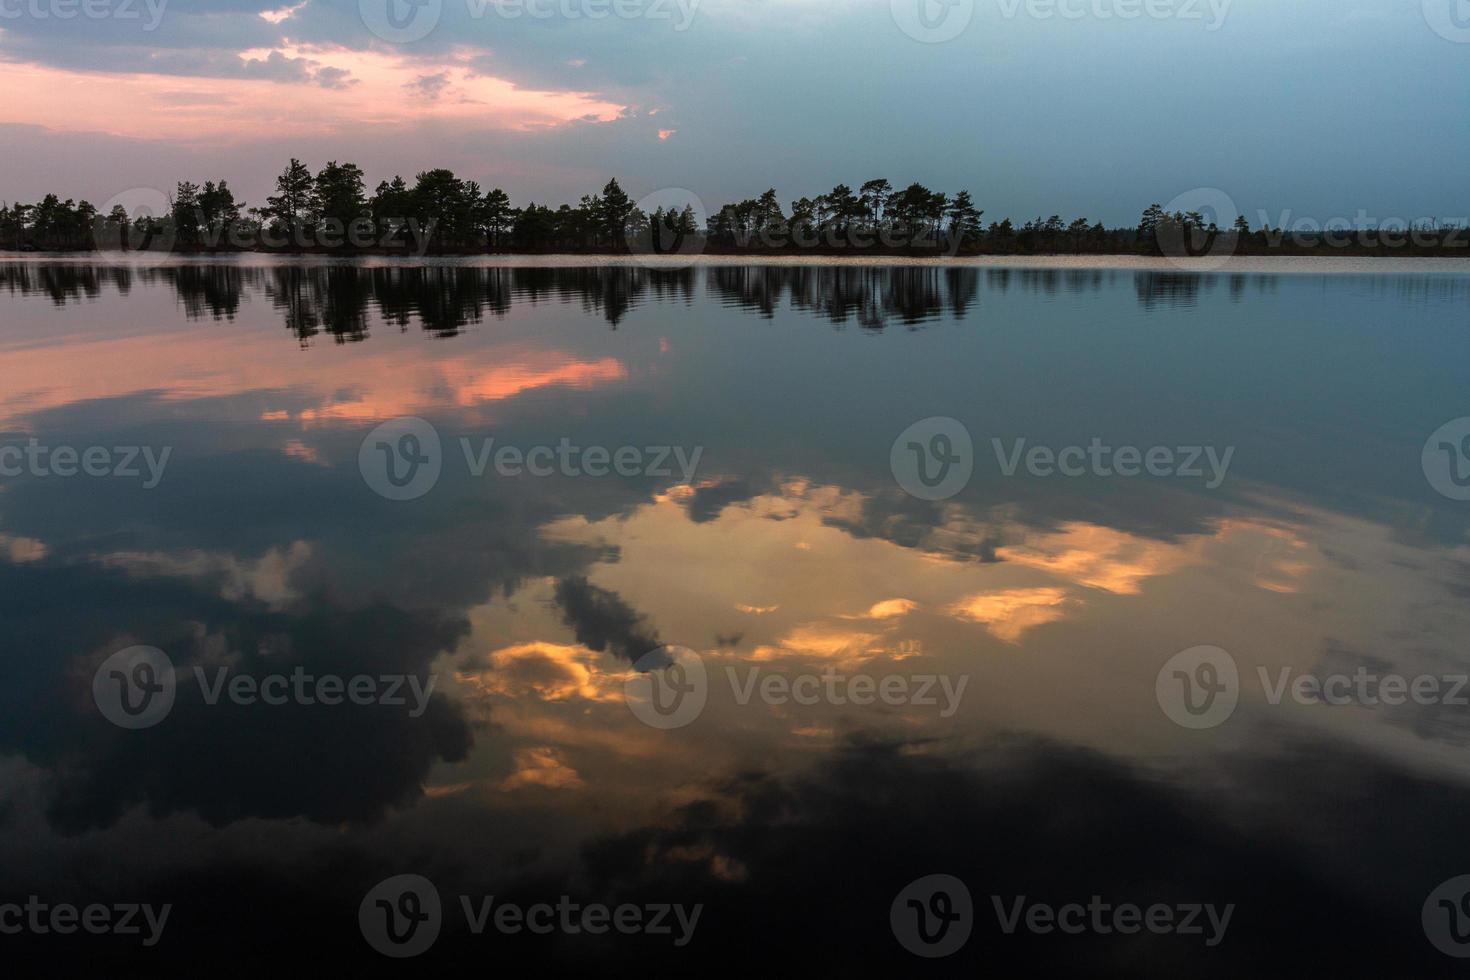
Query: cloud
x=429, y=86
x=601, y=619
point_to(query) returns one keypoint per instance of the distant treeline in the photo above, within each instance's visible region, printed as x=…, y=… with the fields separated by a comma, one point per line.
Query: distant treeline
x=332, y=211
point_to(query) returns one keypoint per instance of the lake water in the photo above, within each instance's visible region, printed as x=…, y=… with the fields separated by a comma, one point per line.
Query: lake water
x=771, y=590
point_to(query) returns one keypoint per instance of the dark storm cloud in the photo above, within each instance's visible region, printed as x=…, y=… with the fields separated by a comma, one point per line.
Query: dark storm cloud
x=602, y=620
x=225, y=761
x=709, y=501
x=810, y=864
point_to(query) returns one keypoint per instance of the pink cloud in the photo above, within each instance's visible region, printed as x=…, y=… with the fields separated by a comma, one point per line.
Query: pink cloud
x=341, y=89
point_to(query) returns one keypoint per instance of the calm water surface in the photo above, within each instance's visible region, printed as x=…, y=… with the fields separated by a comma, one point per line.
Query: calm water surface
x=767, y=526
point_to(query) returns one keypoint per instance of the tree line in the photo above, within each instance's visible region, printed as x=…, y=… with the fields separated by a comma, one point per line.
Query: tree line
x=332, y=210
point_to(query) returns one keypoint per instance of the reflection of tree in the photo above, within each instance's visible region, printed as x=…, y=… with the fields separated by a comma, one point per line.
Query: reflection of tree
x=609, y=291
x=63, y=282
x=870, y=295
x=1169, y=288
x=203, y=288
x=341, y=299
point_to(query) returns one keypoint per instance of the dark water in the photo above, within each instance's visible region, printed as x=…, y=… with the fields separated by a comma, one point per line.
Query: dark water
x=982, y=686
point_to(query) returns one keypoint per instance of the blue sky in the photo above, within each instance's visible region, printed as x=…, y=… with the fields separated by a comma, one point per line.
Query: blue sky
x=1327, y=108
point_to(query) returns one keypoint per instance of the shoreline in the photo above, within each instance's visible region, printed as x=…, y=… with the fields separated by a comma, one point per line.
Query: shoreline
x=1234, y=265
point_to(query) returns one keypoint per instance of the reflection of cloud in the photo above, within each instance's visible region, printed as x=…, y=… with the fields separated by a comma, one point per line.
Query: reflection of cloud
x=1011, y=612
x=267, y=578
x=190, y=364
x=541, y=767
x=549, y=671
x=472, y=384
x=19, y=549
x=985, y=810
x=296, y=449
x=889, y=609
x=224, y=762
x=602, y=620
x=821, y=641
x=429, y=86
x=1099, y=557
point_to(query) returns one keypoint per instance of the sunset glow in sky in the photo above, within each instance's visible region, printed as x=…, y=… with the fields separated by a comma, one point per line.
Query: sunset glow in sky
x=1088, y=115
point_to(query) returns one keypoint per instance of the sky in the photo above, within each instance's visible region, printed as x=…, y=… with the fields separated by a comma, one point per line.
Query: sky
x=1320, y=109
